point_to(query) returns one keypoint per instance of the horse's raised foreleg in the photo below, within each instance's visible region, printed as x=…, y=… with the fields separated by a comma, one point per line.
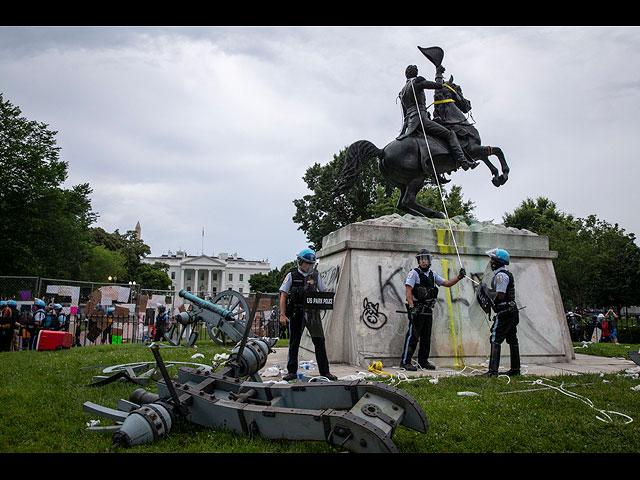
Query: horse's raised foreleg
x=483, y=153
x=503, y=163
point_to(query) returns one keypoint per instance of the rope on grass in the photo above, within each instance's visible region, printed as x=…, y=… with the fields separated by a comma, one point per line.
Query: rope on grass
x=606, y=418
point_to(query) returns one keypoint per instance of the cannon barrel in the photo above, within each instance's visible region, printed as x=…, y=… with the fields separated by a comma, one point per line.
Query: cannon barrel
x=212, y=307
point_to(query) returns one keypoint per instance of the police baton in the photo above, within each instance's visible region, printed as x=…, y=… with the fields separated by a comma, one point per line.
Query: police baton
x=409, y=314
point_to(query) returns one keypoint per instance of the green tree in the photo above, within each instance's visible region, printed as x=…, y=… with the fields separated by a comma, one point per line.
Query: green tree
x=44, y=228
x=103, y=263
x=132, y=248
x=538, y=216
x=597, y=263
x=270, y=282
x=152, y=276
x=618, y=263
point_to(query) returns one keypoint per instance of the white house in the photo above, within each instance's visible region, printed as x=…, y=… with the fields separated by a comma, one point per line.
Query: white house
x=205, y=275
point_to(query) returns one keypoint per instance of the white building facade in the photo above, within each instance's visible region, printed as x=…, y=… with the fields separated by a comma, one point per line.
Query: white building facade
x=205, y=275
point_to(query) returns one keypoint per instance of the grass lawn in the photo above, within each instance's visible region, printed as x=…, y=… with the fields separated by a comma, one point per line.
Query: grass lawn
x=42, y=395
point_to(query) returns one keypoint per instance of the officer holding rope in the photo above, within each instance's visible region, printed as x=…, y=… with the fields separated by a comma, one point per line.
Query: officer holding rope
x=506, y=316
x=421, y=292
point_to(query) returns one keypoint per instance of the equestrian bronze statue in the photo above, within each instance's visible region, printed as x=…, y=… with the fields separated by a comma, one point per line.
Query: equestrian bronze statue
x=427, y=148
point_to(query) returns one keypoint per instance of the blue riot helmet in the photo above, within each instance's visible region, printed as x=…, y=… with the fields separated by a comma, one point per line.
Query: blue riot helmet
x=306, y=256
x=162, y=308
x=57, y=306
x=499, y=256
x=3, y=303
x=12, y=303
x=39, y=303
x=111, y=310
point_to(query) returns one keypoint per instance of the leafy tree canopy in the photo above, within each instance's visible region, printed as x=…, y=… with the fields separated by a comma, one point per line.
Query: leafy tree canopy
x=598, y=264
x=270, y=282
x=44, y=228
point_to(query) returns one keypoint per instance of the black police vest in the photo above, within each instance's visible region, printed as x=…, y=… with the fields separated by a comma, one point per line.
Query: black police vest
x=510, y=294
x=299, y=286
x=427, y=289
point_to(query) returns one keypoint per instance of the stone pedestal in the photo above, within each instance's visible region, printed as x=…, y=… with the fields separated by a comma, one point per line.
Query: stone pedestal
x=366, y=264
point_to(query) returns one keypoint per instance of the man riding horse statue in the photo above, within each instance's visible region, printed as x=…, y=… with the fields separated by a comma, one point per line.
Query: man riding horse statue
x=426, y=148
x=416, y=118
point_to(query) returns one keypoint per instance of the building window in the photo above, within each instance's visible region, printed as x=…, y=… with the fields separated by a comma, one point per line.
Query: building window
x=188, y=275
x=173, y=275
x=240, y=289
x=214, y=277
x=241, y=277
x=202, y=276
x=231, y=277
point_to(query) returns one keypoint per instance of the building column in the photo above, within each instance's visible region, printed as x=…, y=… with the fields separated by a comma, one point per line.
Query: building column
x=223, y=281
x=181, y=278
x=209, y=280
x=195, y=283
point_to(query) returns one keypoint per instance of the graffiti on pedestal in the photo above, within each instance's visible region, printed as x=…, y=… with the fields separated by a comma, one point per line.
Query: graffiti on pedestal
x=372, y=316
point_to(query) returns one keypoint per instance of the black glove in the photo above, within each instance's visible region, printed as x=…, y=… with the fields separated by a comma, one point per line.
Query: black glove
x=462, y=274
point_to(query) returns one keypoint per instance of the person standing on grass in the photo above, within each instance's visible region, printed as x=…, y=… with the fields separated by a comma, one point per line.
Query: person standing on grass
x=613, y=325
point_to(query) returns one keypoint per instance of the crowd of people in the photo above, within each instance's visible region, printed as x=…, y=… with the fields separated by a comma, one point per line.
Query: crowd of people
x=598, y=327
x=19, y=329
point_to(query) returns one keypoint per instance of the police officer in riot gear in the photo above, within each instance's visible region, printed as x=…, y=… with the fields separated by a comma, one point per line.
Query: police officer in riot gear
x=36, y=322
x=301, y=279
x=506, y=316
x=421, y=292
x=16, y=317
x=60, y=320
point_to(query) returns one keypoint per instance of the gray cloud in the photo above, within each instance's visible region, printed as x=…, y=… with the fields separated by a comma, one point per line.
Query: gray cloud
x=182, y=128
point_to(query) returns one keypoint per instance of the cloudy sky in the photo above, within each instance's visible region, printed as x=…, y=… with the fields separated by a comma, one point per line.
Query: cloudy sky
x=185, y=128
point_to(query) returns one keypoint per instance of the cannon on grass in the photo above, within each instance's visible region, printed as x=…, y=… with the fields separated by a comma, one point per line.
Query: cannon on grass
x=355, y=415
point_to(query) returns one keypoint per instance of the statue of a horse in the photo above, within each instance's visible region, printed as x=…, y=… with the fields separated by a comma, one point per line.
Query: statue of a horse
x=410, y=162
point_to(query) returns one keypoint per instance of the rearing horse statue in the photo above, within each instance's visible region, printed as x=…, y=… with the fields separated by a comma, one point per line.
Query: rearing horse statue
x=411, y=162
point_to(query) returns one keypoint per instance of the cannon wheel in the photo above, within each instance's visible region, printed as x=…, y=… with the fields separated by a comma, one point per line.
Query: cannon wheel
x=234, y=302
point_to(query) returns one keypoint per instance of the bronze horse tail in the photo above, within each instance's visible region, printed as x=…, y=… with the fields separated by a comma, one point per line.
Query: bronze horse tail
x=355, y=154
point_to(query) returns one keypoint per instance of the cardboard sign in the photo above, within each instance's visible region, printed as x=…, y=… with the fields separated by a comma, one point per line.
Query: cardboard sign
x=319, y=300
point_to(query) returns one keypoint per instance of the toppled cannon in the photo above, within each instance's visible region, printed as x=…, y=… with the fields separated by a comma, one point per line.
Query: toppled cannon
x=359, y=415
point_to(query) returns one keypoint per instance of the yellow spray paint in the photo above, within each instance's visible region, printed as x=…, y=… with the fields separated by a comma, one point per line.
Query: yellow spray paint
x=445, y=247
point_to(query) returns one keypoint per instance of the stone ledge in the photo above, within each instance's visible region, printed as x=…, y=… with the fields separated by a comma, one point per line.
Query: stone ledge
x=409, y=233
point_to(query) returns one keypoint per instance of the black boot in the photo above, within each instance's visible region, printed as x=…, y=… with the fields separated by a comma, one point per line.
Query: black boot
x=494, y=361
x=514, y=350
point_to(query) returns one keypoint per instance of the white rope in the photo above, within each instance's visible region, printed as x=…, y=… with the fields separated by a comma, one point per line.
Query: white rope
x=438, y=182
x=585, y=400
